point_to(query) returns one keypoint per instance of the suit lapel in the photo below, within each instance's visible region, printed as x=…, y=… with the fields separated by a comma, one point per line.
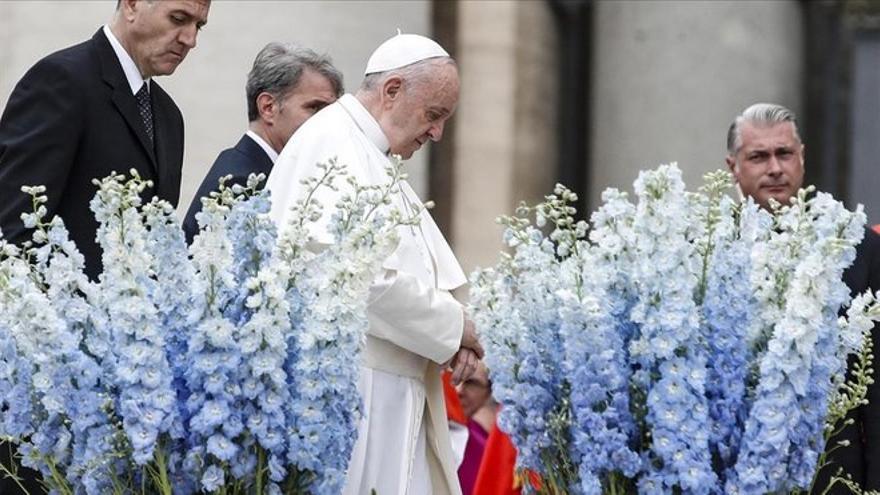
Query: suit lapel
x=122, y=97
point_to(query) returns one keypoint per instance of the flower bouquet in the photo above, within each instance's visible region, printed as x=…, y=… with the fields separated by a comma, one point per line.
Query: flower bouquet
x=684, y=343
x=229, y=366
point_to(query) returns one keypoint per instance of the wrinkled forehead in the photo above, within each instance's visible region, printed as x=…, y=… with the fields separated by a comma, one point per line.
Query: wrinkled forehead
x=197, y=9
x=441, y=89
x=762, y=135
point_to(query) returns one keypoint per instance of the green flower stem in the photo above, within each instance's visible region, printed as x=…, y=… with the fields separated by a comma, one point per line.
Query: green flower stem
x=164, y=484
x=11, y=473
x=261, y=466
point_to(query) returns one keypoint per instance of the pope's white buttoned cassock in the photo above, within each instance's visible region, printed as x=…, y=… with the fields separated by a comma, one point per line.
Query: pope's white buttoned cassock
x=403, y=442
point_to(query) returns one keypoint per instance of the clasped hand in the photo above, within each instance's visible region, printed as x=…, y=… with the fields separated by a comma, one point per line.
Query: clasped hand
x=464, y=362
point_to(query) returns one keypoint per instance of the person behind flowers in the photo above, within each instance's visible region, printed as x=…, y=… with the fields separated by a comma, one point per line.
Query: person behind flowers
x=766, y=156
x=285, y=87
x=475, y=396
x=409, y=91
x=90, y=109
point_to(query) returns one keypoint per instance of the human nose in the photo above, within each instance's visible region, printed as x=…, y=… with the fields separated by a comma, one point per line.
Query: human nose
x=435, y=133
x=188, y=36
x=773, y=166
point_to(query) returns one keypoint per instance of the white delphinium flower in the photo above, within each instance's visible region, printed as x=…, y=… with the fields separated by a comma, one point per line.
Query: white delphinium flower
x=327, y=293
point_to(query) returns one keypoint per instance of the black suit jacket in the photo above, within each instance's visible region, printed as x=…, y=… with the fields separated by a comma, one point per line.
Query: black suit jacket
x=247, y=157
x=73, y=118
x=862, y=458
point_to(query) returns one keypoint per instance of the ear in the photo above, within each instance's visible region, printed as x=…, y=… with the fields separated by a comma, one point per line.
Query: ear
x=391, y=89
x=731, y=163
x=267, y=107
x=128, y=9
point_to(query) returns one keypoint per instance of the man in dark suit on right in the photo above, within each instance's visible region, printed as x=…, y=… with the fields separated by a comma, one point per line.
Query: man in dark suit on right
x=766, y=157
x=285, y=87
x=90, y=109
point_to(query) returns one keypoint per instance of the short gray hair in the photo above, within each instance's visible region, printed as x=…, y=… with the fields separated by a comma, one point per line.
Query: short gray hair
x=416, y=72
x=278, y=69
x=766, y=114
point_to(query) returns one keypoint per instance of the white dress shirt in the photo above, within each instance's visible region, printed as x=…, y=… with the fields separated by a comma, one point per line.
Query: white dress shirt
x=132, y=73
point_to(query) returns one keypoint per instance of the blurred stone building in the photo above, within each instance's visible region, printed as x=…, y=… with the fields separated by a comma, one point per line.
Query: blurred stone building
x=578, y=91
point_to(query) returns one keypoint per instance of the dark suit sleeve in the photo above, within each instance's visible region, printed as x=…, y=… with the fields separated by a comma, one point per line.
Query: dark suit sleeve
x=230, y=162
x=871, y=413
x=209, y=184
x=39, y=132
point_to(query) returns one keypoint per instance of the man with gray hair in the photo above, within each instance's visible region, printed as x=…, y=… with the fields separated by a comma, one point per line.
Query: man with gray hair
x=766, y=156
x=416, y=327
x=286, y=86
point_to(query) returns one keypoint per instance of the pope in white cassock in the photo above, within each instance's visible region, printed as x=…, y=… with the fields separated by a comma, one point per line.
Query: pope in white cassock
x=409, y=91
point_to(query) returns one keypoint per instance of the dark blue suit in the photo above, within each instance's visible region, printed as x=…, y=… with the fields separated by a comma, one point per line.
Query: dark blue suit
x=247, y=157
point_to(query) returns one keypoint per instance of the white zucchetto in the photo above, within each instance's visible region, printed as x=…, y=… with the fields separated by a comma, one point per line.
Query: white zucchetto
x=402, y=50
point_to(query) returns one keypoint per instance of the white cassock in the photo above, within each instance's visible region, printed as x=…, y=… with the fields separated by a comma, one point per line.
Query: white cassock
x=403, y=444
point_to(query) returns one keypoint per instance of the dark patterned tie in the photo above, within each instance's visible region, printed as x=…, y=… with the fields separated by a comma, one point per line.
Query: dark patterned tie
x=145, y=109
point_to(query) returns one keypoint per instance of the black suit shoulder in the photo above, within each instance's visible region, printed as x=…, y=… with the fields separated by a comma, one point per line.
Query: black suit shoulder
x=238, y=162
x=870, y=248
x=864, y=273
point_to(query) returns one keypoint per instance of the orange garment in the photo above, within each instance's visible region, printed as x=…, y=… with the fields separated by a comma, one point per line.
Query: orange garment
x=454, y=411
x=877, y=228
x=496, y=469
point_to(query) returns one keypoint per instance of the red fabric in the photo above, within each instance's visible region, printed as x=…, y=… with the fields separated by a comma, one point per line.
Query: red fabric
x=453, y=406
x=496, y=469
x=877, y=228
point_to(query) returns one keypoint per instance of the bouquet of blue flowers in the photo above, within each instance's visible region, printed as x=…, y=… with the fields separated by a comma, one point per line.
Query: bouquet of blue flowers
x=681, y=343
x=228, y=366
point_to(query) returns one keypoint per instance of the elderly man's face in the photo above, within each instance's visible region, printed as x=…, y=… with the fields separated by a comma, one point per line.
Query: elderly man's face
x=421, y=113
x=160, y=33
x=312, y=93
x=769, y=162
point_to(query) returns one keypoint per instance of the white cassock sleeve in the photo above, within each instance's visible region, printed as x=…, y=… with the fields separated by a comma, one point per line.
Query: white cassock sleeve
x=421, y=319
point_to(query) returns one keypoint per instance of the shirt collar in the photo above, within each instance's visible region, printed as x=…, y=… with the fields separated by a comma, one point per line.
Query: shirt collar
x=365, y=121
x=273, y=155
x=132, y=73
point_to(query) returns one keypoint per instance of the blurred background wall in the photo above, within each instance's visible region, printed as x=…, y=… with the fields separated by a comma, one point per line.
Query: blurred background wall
x=586, y=92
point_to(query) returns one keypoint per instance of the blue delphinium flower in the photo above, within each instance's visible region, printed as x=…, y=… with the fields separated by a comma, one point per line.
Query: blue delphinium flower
x=92, y=429
x=539, y=376
x=727, y=309
x=47, y=299
x=495, y=314
x=262, y=337
x=146, y=400
x=172, y=295
x=595, y=361
x=668, y=346
x=783, y=433
x=700, y=338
